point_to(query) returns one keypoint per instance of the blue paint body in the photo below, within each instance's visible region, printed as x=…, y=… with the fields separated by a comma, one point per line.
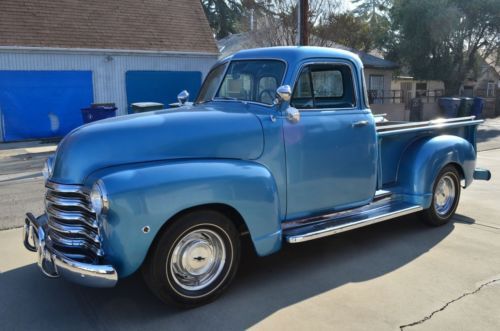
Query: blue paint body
x=160, y=86
x=249, y=157
x=41, y=104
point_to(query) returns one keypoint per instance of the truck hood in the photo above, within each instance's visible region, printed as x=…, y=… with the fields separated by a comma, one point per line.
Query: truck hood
x=204, y=131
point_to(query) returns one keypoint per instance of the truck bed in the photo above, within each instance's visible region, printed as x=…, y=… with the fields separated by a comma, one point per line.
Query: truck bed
x=395, y=137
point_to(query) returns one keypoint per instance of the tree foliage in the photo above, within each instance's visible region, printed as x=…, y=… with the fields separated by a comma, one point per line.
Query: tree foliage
x=376, y=14
x=442, y=39
x=345, y=29
x=372, y=10
x=224, y=16
x=277, y=19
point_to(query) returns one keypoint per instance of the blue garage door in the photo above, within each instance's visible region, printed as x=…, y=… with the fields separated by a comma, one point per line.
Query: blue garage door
x=161, y=86
x=41, y=104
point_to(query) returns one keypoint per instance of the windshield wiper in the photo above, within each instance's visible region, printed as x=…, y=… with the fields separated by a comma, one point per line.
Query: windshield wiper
x=226, y=98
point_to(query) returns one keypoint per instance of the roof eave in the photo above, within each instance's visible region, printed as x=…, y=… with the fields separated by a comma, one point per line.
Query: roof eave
x=65, y=50
x=394, y=67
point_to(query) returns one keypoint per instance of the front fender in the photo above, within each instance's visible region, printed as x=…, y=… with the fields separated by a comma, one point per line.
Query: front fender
x=151, y=194
x=423, y=160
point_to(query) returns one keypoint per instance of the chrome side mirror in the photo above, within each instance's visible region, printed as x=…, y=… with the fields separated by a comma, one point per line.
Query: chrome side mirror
x=183, y=97
x=292, y=114
x=283, y=93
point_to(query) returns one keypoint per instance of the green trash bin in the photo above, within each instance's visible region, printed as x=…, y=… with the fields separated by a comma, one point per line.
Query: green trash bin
x=465, y=108
x=141, y=107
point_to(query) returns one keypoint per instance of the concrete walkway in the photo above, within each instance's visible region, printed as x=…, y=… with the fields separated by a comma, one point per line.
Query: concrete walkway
x=26, y=147
x=398, y=275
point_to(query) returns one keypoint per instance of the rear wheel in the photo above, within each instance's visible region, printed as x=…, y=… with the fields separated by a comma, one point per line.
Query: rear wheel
x=445, y=197
x=194, y=260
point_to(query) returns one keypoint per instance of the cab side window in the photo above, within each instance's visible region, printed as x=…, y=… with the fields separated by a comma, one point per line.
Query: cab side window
x=302, y=97
x=324, y=86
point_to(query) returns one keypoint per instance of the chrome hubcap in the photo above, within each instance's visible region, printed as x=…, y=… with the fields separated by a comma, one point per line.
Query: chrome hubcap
x=198, y=259
x=444, y=196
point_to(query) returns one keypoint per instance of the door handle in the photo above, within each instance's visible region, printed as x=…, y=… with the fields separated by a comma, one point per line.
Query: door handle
x=359, y=124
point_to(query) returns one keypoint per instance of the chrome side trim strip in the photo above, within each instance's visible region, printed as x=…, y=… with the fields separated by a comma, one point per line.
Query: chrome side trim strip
x=334, y=228
x=380, y=202
x=382, y=194
x=403, y=125
x=381, y=132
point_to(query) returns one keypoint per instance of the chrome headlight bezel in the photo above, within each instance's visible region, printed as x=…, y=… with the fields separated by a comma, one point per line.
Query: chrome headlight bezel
x=99, y=198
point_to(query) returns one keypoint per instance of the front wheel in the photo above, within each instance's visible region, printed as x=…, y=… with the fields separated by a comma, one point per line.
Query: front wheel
x=194, y=259
x=445, y=197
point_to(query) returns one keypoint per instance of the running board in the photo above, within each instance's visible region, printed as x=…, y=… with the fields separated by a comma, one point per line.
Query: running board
x=341, y=223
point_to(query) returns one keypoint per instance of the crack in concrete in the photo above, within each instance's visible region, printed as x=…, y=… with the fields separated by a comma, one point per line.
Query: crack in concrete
x=488, y=226
x=428, y=317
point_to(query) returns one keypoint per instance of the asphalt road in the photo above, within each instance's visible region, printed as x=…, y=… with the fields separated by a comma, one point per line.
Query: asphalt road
x=21, y=187
x=397, y=275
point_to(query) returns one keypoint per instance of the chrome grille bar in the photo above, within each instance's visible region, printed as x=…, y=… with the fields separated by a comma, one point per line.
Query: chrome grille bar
x=74, y=230
x=73, y=226
x=72, y=243
x=71, y=216
x=67, y=202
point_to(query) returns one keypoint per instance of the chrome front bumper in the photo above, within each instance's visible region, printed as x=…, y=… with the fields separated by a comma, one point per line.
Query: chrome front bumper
x=55, y=264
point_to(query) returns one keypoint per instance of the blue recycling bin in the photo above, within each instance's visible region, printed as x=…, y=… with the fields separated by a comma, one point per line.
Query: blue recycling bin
x=477, y=107
x=96, y=113
x=465, y=108
x=449, y=107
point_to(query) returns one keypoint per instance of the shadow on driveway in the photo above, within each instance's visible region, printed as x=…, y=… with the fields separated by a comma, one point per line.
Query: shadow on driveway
x=262, y=286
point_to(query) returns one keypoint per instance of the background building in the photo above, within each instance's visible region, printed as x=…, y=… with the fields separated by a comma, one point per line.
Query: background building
x=58, y=56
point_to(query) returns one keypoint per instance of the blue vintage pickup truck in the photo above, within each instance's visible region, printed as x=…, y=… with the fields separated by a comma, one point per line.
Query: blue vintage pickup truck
x=280, y=145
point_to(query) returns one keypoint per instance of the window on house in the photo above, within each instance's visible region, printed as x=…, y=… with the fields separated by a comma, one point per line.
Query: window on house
x=376, y=89
x=490, y=90
x=421, y=89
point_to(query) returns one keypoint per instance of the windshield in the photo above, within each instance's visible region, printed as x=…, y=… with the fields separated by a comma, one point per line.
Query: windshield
x=245, y=80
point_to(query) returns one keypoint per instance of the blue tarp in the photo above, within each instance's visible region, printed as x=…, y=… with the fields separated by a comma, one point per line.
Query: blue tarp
x=41, y=104
x=161, y=86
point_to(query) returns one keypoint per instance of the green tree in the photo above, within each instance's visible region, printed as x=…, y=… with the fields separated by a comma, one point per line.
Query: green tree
x=442, y=39
x=376, y=14
x=346, y=29
x=224, y=16
x=373, y=10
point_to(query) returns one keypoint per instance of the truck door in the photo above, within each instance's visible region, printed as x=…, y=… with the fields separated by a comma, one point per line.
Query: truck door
x=331, y=152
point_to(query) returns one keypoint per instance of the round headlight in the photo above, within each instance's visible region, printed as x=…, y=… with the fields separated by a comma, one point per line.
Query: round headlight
x=99, y=198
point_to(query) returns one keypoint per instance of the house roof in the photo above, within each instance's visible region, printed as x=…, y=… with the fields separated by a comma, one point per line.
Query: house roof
x=158, y=25
x=236, y=42
x=371, y=61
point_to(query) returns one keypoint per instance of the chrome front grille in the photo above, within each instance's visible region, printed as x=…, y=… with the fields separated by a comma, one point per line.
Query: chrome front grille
x=73, y=228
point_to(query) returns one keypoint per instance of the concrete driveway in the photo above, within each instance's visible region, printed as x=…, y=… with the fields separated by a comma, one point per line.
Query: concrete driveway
x=396, y=275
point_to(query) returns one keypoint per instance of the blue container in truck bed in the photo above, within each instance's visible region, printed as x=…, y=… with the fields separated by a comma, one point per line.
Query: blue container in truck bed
x=280, y=144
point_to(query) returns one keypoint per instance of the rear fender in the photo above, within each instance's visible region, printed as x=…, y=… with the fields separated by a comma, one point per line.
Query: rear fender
x=150, y=195
x=423, y=160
